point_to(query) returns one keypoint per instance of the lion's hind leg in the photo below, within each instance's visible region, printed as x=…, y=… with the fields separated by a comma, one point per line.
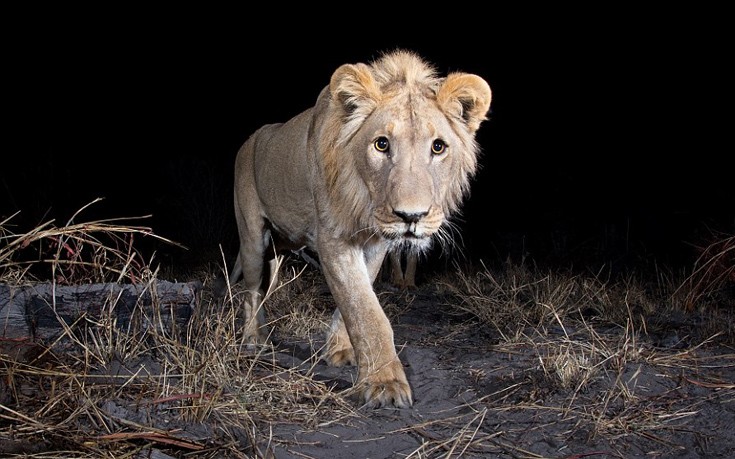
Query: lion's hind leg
x=400, y=277
x=250, y=263
x=409, y=276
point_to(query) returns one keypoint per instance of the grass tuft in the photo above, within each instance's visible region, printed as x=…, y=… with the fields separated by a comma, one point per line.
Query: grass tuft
x=572, y=357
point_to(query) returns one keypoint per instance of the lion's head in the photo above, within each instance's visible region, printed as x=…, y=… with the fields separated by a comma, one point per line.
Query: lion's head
x=399, y=146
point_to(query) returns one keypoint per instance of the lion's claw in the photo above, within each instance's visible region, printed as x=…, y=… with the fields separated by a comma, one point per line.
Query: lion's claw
x=396, y=393
x=386, y=386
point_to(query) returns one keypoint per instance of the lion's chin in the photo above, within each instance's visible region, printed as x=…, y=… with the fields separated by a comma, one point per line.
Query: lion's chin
x=408, y=238
x=414, y=234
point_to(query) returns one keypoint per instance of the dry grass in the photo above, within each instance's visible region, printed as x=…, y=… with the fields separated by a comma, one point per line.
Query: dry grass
x=200, y=390
x=101, y=391
x=97, y=251
x=714, y=271
x=591, y=338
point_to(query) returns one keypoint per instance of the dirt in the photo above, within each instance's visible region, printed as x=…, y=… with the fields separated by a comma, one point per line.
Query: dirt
x=479, y=395
x=579, y=389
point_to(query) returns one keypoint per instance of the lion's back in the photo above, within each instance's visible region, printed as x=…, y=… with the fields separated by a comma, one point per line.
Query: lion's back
x=275, y=161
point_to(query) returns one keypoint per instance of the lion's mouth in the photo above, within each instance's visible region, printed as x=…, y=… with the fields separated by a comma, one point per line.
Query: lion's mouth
x=409, y=232
x=412, y=228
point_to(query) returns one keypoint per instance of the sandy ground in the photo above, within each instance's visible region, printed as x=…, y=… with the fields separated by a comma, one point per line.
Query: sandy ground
x=562, y=392
x=479, y=396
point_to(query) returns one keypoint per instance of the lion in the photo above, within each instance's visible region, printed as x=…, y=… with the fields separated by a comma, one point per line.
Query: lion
x=380, y=162
x=403, y=269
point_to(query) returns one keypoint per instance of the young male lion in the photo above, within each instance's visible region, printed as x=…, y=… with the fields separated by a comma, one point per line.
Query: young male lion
x=382, y=160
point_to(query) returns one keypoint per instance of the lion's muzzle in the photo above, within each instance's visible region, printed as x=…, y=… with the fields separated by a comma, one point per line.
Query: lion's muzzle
x=413, y=227
x=411, y=219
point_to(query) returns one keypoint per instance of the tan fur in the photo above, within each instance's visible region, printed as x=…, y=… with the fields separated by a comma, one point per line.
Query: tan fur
x=318, y=180
x=403, y=276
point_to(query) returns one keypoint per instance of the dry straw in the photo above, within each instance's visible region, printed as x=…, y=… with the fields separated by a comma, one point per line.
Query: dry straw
x=572, y=357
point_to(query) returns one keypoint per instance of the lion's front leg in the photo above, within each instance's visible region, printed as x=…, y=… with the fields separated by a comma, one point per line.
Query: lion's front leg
x=338, y=350
x=360, y=330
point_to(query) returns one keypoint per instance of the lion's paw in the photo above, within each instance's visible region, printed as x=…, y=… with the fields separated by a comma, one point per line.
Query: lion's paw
x=393, y=393
x=407, y=285
x=387, y=387
x=254, y=343
x=338, y=351
x=339, y=357
x=255, y=338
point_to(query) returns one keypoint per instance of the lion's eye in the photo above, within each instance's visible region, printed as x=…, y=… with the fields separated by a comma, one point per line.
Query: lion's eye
x=381, y=144
x=438, y=147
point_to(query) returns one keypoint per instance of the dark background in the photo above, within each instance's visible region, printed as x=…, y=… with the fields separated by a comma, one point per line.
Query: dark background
x=606, y=144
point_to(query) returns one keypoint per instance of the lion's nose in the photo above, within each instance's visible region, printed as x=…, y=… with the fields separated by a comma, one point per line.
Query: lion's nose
x=410, y=217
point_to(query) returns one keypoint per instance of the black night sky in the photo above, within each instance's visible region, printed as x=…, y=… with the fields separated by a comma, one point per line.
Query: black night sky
x=605, y=143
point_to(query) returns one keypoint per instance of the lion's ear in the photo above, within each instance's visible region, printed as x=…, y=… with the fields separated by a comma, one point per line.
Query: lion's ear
x=354, y=88
x=465, y=96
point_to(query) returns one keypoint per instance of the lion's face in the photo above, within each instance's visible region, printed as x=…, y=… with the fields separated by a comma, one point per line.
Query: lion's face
x=407, y=154
x=398, y=147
